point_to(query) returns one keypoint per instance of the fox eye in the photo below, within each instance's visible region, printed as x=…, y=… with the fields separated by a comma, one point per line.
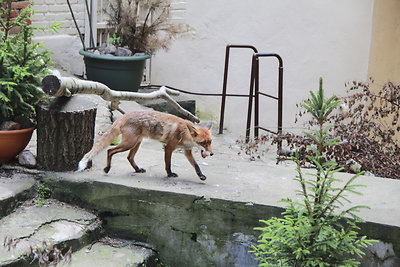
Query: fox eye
x=203, y=143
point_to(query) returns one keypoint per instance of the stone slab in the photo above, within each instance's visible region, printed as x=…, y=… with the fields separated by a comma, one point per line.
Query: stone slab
x=15, y=189
x=112, y=252
x=56, y=223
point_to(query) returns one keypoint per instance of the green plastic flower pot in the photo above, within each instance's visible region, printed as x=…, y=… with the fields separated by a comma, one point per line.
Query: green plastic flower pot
x=118, y=73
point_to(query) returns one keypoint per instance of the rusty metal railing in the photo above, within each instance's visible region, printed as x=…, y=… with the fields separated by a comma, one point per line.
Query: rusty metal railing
x=225, y=82
x=255, y=86
x=254, y=92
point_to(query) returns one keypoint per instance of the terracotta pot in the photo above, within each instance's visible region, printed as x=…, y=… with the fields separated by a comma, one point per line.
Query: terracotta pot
x=13, y=142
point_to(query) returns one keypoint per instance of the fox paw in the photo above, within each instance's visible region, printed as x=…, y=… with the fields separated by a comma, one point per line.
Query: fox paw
x=202, y=177
x=172, y=174
x=140, y=170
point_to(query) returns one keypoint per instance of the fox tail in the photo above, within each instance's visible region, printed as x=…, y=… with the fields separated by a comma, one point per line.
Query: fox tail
x=103, y=142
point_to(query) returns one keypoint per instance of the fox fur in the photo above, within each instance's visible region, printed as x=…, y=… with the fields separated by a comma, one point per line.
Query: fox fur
x=173, y=131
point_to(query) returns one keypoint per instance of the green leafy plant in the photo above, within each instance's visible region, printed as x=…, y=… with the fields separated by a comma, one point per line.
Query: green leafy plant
x=23, y=62
x=43, y=193
x=316, y=230
x=114, y=40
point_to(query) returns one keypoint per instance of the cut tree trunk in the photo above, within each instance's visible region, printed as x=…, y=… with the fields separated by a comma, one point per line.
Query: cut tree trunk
x=65, y=132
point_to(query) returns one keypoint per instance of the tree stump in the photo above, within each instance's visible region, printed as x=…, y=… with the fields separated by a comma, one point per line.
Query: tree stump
x=65, y=132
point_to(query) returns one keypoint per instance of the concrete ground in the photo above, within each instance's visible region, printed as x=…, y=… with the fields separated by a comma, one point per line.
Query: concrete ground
x=231, y=175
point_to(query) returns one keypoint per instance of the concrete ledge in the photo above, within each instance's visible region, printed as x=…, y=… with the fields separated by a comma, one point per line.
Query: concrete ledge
x=162, y=106
x=14, y=190
x=185, y=228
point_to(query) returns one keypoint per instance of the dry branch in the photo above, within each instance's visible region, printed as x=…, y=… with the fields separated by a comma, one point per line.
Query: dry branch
x=67, y=86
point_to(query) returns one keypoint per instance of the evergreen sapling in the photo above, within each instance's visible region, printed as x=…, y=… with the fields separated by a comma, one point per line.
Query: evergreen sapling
x=315, y=231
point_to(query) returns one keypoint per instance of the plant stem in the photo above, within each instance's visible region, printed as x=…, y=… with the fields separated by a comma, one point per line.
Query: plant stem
x=8, y=19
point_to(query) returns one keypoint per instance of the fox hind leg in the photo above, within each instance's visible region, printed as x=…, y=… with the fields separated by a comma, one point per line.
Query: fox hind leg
x=128, y=142
x=131, y=157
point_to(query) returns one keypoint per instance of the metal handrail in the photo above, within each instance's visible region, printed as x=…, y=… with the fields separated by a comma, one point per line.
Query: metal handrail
x=254, y=91
x=225, y=81
x=279, y=98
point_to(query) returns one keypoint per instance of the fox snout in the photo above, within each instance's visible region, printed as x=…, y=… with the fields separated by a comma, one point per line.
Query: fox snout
x=205, y=153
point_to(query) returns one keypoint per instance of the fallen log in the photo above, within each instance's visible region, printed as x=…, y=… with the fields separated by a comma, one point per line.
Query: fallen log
x=57, y=86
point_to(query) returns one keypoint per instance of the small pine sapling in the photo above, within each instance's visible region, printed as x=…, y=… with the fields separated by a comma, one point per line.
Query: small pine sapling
x=314, y=231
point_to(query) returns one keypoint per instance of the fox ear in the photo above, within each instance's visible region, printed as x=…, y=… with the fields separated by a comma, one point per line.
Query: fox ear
x=208, y=125
x=192, y=129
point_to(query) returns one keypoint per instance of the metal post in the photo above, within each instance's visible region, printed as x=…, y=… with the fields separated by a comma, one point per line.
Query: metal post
x=224, y=95
x=256, y=96
x=251, y=93
x=279, y=98
x=280, y=102
x=221, y=120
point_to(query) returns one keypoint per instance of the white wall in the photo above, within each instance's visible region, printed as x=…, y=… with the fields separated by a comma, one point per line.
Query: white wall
x=65, y=44
x=328, y=38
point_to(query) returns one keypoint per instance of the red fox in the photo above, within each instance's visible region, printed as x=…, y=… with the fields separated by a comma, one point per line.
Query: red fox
x=174, y=132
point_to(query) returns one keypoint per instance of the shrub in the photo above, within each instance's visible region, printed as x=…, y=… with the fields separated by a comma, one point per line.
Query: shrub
x=369, y=129
x=315, y=231
x=368, y=125
x=23, y=63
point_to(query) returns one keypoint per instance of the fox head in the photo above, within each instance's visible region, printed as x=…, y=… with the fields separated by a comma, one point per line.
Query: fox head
x=202, y=137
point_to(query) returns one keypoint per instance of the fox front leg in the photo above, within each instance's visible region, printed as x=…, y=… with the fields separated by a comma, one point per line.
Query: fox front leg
x=189, y=156
x=167, y=158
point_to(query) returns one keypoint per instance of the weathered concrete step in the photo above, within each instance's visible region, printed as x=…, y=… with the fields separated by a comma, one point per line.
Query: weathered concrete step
x=15, y=189
x=33, y=228
x=113, y=252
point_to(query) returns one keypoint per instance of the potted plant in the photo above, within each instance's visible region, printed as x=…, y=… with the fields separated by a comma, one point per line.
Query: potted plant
x=138, y=28
x=23, y=63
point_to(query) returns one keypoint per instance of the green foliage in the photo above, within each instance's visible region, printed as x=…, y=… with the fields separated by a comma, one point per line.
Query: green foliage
x=116, y=142
x=43, y=193
x=114, y=40
x=316, y=230
x=23, y=63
